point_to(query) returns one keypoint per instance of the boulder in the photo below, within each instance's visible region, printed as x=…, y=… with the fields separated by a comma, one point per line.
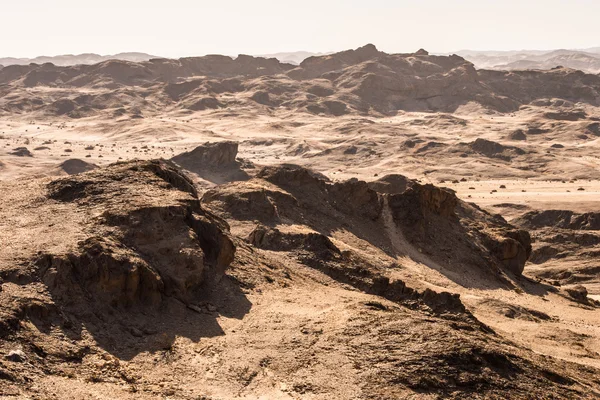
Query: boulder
x=578, y=293
x=21, y=152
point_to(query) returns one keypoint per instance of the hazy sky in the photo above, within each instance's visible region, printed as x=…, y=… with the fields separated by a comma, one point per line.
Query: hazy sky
x=193, y=27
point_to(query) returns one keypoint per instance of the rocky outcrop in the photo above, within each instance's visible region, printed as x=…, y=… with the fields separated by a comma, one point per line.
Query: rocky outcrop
x=489, y=148
x=594, y=128
x=205, y=103
x=578, y=293
x=209, y=155
x=317, y=251
x=513, y=249
x=517, y=135
x=566, y=115
x=416, y=202
x=434, y=219
x=142, y=248
x=349, y=197
x=391, y=184
x=76, y=166
x=564, y=219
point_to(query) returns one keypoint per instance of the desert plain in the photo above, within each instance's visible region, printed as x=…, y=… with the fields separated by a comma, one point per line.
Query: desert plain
x=360, y=226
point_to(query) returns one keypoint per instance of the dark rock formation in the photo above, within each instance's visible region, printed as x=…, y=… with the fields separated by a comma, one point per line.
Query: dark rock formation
x=208, y=155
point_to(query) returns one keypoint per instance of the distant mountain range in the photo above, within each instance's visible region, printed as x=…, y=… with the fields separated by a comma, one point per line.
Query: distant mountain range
x=71, y=59
x=587, y=60
x=362, y=81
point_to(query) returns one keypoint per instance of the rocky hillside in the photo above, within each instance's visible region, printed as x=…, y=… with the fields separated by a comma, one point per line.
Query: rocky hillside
x=125, y=282
x=363, y=81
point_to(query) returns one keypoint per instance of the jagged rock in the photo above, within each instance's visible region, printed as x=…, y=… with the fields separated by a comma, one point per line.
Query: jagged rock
x=355, y=196
x=253, y=204
x=292, y=175
x=262, y=98
x=352, y=196
x=513, y=250
x=142, y=251
x=413, y=204
x=273, y=239
x=430, y=217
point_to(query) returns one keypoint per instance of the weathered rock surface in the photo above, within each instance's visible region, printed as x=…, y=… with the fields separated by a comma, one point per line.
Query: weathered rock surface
x=140, y=251
x=122, y=283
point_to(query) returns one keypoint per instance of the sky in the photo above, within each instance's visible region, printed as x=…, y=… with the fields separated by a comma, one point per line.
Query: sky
x=177, y=28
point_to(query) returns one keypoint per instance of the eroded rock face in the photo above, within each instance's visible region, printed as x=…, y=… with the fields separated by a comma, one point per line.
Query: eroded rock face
x=434, y=219
x=111, y=273
x=354, y=196
x=567, y=242
x=513, y=249
x=413, y=205
x=350, y=197
x=151, y=241
x=594, y=128
x=292, y=175
x=566, y=115
x=317, y=251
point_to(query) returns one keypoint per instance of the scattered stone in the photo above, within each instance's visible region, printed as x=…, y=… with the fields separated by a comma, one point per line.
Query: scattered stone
x=578, y=293
x=517, y=135
x=21, y=152
x=16, y=356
